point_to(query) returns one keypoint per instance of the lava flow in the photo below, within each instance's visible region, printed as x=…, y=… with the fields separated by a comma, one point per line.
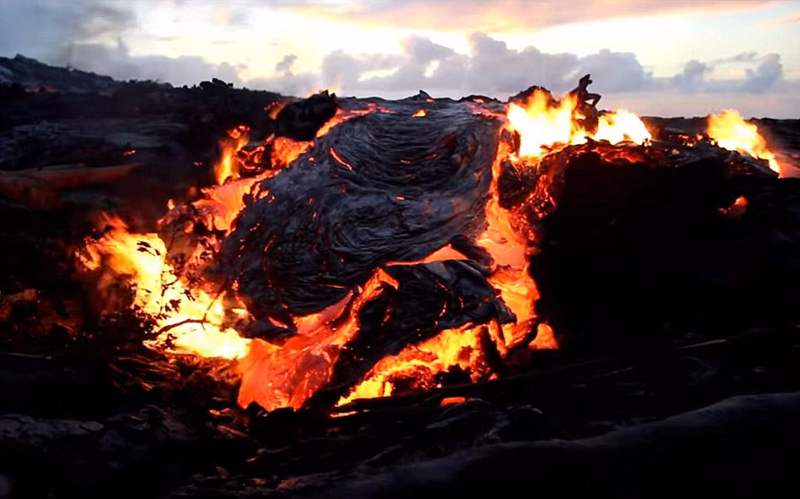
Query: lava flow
x=192, y=315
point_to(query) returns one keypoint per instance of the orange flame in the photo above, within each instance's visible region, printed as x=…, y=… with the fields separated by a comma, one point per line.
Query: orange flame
x=732, y=132
x=622, y=125
x=190, y=320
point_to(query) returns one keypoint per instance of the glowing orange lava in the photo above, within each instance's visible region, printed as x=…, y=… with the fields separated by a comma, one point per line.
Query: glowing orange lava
x=287, y=375
x=190, y=319
x=227, y=166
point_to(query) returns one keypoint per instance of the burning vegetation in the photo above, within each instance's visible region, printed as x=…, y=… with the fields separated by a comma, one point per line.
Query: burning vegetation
x=365, y=251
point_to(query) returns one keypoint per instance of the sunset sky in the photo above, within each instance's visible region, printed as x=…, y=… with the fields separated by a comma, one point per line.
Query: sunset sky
x=668, y=57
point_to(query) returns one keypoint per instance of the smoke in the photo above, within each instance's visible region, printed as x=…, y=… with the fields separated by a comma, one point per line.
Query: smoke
x=284, y=67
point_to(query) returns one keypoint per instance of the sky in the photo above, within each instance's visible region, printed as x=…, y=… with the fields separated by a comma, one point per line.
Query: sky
x=663, y=57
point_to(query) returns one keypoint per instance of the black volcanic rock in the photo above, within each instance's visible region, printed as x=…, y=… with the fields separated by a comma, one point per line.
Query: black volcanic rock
x=377, y=188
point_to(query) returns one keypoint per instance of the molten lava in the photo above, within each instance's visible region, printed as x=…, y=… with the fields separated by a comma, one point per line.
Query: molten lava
x=191, y=317
x=227, y=167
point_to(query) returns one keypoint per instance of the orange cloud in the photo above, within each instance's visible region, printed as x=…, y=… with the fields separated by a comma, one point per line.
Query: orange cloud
x=504, y=15
x=791, y=18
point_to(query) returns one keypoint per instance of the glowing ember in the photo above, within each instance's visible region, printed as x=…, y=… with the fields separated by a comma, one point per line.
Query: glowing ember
x=732, y=132
x=737, y=209
x=448, y=401
x=190, y=318
x=284, y=151
x=342, y=115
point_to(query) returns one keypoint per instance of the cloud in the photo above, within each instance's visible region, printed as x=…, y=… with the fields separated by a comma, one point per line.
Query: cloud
x=693, y=76
x=791, y=18
x=498, y=15
x=115, y=60
x=91, y=35
x=39, y=28
x=618, y=71
x=284, y=67
x=765, y=75
x=494, y=69
x=491, y=68
x=741, y=57
x=88, y=34
x=98, y=19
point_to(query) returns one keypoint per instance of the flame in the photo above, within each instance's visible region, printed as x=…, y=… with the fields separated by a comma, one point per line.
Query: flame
x=227, y=167
x=732, y=132
x=189, y=320
x=620, y=126
x=419, y=114
x=544, y=124
x=541, y=124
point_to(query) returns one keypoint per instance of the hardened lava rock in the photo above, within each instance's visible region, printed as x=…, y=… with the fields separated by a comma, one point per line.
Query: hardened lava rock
x=383, y=187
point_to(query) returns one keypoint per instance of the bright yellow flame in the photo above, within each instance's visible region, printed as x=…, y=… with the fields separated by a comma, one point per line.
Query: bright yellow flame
x=545, y=124
x=191, y=320
x=621, y=125
x=732, y=132
x=542, y=124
